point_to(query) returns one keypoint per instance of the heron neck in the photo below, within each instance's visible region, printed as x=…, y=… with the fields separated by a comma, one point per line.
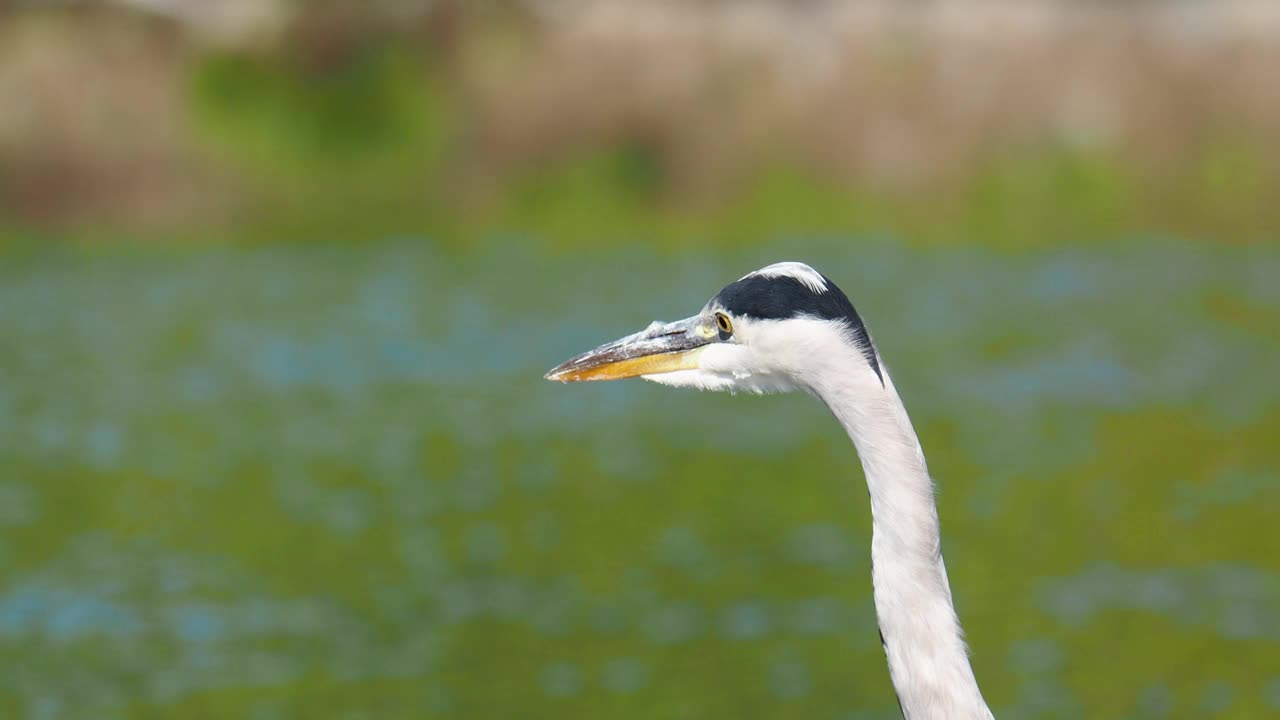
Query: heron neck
x=928, y=661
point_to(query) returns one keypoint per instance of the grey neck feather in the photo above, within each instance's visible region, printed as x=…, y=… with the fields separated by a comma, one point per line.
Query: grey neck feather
x=924, y=645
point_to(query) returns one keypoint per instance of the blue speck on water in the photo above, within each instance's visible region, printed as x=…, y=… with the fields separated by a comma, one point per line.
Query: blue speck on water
x=198, y=623
x=1156, y=701
x=672, y=624
x=1216, y=698
x=789, y=679
x=1271, y=693
x=561, y=680
x=826, y=546
x=485, y=543
x=625, y=675
x=64, y=615
x=745, y=621
x=1035, y=657
x=608, y=619
x=815, y=616
x=19, y=505
x=105, y=443
x=1063, y=278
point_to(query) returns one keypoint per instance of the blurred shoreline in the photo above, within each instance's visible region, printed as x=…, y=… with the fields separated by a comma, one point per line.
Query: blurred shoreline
x=1044, y=121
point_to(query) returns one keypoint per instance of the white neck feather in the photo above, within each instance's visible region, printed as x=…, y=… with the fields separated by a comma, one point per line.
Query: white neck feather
x=928, y=661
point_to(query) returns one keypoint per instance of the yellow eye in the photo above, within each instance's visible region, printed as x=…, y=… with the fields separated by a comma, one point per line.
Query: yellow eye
x=723, y=323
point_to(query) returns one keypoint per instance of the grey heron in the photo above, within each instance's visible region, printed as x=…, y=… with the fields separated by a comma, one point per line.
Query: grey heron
x=787, y=327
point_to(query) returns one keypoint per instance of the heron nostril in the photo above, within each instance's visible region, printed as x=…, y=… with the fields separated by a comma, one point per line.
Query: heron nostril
x=659, y=329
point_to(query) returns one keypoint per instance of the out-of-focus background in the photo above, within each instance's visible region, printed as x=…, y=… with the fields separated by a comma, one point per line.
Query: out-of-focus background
x=278, y=282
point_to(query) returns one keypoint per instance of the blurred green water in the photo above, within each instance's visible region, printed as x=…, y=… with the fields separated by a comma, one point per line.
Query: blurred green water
x=328, y=481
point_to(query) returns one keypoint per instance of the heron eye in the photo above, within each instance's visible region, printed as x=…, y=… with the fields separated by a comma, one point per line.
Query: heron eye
x=723, y=323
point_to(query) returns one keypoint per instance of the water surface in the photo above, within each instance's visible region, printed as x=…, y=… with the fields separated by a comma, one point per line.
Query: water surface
x=329, y=482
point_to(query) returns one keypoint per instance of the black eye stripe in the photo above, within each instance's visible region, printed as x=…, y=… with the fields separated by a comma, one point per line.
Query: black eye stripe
x=782, y=297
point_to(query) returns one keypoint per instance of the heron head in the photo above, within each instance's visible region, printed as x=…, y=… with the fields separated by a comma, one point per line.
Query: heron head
x=774, y=330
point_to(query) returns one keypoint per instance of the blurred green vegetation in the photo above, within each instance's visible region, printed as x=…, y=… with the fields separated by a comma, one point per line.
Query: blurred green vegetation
x=346, y=128
x=350, y=149
x=370, y=148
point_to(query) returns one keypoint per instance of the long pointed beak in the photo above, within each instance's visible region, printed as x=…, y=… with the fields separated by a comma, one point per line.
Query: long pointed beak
x=659, y=348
